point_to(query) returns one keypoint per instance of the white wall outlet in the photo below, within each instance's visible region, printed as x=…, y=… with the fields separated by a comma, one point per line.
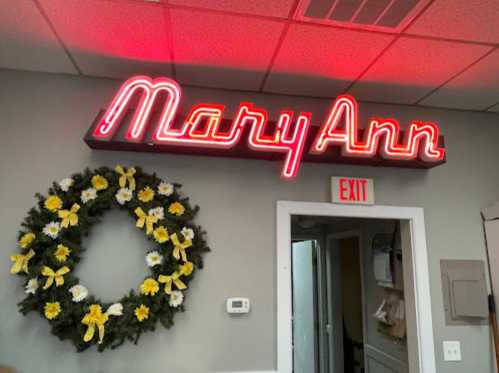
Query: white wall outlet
x=452, y=351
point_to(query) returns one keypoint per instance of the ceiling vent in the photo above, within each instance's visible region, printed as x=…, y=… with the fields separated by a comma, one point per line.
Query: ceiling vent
x=380, y=15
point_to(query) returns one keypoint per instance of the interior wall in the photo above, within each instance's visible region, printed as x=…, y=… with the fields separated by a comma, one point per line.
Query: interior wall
x=43, y=119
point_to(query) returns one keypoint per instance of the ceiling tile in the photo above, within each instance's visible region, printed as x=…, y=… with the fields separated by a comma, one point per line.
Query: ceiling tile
x=494, y=108
x=322, y=61
x=113, y=39
x=275, y=8
x=475, y=20
x=475, y=89
x=27, y=42
x=413, y=67
x=224, y=51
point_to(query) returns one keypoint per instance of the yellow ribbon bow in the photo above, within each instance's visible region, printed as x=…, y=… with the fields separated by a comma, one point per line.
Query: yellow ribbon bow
x=69, y=217
x=94, y=318
x=174, y=278
x=21, y=262
x=179, y=248
x=51, y=276
x=126, y=176
x=147, y=220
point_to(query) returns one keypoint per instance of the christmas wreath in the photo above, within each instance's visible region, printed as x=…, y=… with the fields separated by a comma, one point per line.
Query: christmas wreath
x=51, y=246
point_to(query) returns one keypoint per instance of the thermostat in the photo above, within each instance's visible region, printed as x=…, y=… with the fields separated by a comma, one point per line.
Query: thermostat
x=238, y=305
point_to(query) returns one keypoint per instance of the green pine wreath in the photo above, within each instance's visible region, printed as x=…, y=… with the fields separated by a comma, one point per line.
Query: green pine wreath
x=51, y=246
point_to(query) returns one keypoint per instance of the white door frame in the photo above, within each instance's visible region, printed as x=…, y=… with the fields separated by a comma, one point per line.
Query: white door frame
x=415, y=216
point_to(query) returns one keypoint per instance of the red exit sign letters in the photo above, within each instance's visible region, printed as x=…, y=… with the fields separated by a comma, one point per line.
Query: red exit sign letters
x=352, y=190
x=143, y=116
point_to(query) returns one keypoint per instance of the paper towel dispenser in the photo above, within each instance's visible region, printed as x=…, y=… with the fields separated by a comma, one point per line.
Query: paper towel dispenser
x=464, y=291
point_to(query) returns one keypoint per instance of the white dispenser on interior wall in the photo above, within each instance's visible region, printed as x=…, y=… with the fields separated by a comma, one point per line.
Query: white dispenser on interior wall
x=238, y=305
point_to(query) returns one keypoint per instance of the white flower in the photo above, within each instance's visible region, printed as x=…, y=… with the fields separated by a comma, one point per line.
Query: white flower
x=88, y=195
x=124, y=195
x=79, y=292
x=52, y=229
x=115, y=309
x=188, y=233
x=154, y=258
x=31, y=286
x=65, y=184
x=158, y=212
x=165, y=189
x=176, y=298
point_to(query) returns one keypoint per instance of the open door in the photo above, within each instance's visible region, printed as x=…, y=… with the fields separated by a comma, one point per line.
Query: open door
x=305, y=320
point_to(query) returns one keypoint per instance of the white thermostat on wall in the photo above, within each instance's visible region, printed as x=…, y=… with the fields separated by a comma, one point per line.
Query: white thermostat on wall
x=238, y=305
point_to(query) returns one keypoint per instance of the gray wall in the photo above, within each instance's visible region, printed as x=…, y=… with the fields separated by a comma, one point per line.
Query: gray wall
x=43, y=118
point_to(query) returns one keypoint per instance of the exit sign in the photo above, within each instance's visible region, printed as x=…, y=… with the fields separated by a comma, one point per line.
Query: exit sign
x=353, y=190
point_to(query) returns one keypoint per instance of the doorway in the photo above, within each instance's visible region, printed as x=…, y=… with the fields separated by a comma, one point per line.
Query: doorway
x=331, y=295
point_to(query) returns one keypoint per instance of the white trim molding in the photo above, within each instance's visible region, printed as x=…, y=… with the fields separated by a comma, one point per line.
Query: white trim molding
x=424, y=323
x=260, y=371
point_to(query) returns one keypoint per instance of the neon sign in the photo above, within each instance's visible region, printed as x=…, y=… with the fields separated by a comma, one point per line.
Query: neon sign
x=143, y=116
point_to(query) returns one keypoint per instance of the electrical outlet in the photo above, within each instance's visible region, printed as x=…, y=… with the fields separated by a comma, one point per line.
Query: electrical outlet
x=452, y=351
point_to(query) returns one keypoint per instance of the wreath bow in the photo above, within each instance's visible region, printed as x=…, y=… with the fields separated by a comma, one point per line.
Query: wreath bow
x=94, y=318
x=21, y=262
x=174, y=278
x=52, y=276
x=126, y=176
x=179, y=248
x=69, y=217
x=147, y=220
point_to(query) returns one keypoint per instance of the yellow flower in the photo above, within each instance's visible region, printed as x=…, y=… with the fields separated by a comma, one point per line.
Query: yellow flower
x=146, y=194
x=187, y=268
x=141, y=313
x=149, y=287
x=99, y=182
x=53, y=203
x=52, y=310
x=176, y=208
x=26, y=240
x=161, y=234
x=62, y=253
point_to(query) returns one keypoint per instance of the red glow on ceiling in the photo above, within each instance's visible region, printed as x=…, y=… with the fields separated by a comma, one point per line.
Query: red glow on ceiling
x=128, y=30
x=223, y=40
x=339, y=54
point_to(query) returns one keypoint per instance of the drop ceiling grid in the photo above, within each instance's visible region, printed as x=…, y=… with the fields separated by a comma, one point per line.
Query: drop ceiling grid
x=475, y=89
x=470, y=20
x=344, y=54
x=174, y=4
x=28, y=42
x=431, y=64
x=269, y=8
x=494, y=109
x=112, y=39
x=223, y=51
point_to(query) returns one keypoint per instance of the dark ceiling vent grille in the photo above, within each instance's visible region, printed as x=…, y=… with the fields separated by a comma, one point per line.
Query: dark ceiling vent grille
x=383, y=15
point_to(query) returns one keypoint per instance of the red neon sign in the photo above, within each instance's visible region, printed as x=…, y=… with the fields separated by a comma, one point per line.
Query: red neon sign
x=205, y=130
